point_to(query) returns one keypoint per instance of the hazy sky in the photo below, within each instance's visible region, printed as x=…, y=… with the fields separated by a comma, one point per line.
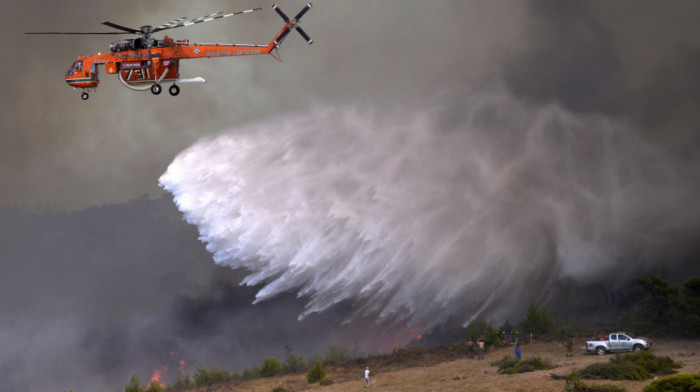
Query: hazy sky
x=634, y=60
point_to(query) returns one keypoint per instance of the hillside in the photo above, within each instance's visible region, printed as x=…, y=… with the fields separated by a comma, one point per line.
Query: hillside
x=462, y=374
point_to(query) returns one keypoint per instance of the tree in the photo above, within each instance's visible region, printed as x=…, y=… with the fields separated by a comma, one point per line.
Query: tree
x=480, y=329
x=659, y=307
x=271, y=367
x=134, y=385
x=690, y=307
x=154, y=386
x=295, y=363
x=537, y=322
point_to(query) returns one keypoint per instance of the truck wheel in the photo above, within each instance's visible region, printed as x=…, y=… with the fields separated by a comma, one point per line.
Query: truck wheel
x=600, y=350
x=637, y=348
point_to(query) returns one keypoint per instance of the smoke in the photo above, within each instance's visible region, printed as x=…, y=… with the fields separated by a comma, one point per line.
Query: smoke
x=468, y=203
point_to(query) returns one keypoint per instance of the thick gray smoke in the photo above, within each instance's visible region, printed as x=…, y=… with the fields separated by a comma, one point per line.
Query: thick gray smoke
x=470, y=203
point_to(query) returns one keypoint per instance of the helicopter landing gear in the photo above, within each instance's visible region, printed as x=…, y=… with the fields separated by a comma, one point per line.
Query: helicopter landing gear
x=84, y=96
x=156, y=89
x=174, y=90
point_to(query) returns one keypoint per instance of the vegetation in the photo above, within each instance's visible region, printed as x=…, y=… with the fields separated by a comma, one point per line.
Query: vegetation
x=679, y=383
x=511, y=365
x=480, y=329
x=271, y=367
x=633, y=366
x=134, y=385
x=336, y=355
x=204, y=377
x=182, y=382
x=295, y=363
x=537, y=322
x=316, y=373
x=665, y=307
x=154, y=386
x=574, y=384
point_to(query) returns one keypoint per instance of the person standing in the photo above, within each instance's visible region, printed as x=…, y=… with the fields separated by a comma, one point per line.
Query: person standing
x=367, y=377
x=481, y=349
x=517, y=351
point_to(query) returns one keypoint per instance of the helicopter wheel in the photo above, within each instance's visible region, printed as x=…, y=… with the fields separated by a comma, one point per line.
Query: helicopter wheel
x=84, y=96
x=174, y=90
x=156, y=89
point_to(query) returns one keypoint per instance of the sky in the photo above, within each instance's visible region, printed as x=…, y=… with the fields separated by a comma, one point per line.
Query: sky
x=482, y=148
x=632, y=60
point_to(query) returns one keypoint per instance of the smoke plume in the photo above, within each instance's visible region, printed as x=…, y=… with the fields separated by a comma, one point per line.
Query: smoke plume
x=471, y=203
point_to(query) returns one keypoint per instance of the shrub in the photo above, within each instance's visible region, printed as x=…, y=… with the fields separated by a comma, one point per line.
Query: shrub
x=279, y=389
x=316, y=373
x=250, y=374
x=633, y=366
x=574, y=384
x=650, y=362
x=204, y=377
x=615, y=371
x=271, y=367
x=325, y=382
x=679, y=383
x=511, y=365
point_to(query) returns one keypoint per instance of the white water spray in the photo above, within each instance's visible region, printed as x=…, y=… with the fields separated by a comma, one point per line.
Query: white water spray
x=476, y=203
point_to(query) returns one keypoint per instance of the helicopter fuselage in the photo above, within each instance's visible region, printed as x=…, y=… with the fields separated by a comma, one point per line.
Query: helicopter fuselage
x=158, y=63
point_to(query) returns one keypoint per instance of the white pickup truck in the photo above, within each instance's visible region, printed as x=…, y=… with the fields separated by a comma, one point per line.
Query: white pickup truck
x=617, y=342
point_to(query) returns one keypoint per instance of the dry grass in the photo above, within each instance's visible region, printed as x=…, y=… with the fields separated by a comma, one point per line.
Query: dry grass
x=461, y=374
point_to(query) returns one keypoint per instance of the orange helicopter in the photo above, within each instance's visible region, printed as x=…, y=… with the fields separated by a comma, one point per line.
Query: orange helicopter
x=144, y=63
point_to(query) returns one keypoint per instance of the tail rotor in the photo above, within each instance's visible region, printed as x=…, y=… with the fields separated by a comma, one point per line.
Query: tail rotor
x=293, y=24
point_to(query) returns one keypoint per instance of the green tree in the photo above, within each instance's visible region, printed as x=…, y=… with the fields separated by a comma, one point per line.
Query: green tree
x=204, y=377
x=537, y=322
x=271, y=367
x=154, y=386
x=295, y=363
x=690, y=307
x=182, y=382
x=134, y=385
x=659, y=307
x=316, y=373
x=480, y=329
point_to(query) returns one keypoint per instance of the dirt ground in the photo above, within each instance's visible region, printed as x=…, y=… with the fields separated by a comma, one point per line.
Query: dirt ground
x=478, y=376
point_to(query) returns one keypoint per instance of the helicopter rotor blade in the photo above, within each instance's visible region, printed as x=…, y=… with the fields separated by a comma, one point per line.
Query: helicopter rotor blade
x=76, y=33
x=279, y=11
x=188, y=22
x=306, y=36
x=122, y=28
x=171, y=24
x=302, y=12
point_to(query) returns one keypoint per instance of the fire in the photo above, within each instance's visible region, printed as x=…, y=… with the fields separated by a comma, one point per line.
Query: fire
x=181, y=366
x=417, y=334
x=157, y=374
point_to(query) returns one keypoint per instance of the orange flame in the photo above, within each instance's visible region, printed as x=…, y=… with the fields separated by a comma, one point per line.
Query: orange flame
x=181, y=366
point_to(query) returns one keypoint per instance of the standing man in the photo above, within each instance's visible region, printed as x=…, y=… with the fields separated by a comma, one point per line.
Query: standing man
x=481, y=349
x=367, y=377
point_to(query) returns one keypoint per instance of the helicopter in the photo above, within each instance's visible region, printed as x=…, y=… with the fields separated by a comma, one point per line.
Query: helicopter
x=144, y=63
